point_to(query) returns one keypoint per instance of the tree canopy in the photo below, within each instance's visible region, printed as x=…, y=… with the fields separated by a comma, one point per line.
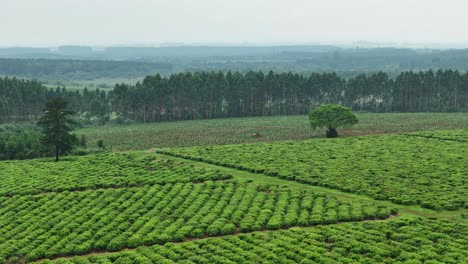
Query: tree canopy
x=332, y=116
x=57, y=125
x=206, y=95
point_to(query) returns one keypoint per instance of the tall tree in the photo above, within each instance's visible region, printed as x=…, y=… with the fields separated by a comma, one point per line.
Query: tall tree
x=57, y=125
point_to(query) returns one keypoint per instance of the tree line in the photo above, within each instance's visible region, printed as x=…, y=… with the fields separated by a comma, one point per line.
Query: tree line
x=67, y=69
x=205, y=95
x=84, y=63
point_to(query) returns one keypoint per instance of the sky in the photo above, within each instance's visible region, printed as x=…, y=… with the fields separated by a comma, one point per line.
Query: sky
x=152, y=22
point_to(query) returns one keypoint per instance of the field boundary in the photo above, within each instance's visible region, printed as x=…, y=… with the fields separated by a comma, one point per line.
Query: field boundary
x=438, y=138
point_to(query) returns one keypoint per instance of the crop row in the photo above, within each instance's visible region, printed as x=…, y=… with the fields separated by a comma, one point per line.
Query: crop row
x=397, y=241
x=110, y=170
x=403, y=169
x=54, y=224
x=455, y=135
x=223, y=131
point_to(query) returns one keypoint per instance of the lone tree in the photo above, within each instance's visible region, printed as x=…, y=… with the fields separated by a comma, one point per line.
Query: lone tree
x=57, y=124
x=332, y=116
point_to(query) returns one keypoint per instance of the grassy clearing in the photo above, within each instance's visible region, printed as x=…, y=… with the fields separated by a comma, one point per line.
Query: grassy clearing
x=240, y=130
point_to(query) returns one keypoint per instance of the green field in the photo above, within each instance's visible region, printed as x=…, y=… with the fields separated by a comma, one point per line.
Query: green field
x=403, y=169
x=240, y=130
x=414, y=240
x=395, y=197
x=97, y=171
x=70, y=218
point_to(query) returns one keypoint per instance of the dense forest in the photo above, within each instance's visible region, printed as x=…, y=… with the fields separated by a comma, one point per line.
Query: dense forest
x=21, y=142
x=203, y=95
x=79, y=69
x=85, y=63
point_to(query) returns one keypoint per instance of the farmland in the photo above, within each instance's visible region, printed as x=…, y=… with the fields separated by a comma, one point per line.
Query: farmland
x=395, y=197
x=77, y=222
x=69, y=216
x=403, y=169
x=413, y=240
x=99, y=171
x=275, y=128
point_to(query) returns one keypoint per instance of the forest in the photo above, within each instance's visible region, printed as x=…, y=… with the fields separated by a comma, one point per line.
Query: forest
x=206, y=95
x=67, y=63
x=61, y=69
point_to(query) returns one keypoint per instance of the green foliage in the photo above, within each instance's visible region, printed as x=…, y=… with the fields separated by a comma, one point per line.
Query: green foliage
x=403, y=169
x=207, y=95
x=79, y=69
x=57, y=125
x=414, y=240
x=21, y=142
x=107, y=170
x=331, y=116
x=53, y=224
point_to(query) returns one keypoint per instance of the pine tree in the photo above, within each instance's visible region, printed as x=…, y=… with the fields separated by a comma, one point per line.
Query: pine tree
x=57, y=125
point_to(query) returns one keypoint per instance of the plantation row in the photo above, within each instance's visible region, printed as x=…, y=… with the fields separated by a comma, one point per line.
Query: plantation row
x=55, y=224
x=111, y=170
x=274, y=128
x=403, y=169
x=397, y=241
x=455, y=135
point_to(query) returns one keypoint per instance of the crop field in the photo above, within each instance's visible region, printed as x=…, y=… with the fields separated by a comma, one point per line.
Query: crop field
x=112, y=170
x=78, y=222
x=403, y=169
x=414, y=240
x=240, y=130
x=398, y=198
x=116, y=201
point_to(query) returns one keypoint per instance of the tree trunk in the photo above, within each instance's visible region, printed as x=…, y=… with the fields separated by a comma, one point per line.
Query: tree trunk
x=57, y=150
x=331, y=132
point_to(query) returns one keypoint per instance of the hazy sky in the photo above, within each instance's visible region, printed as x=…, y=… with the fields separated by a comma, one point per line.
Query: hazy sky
x=107, y=22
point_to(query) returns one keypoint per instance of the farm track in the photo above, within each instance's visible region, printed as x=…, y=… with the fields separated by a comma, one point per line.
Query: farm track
x=262, y=179
x=436, y=138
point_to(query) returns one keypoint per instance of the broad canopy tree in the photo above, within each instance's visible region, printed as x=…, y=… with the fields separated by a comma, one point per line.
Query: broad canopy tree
x=331, y=116
x=57, y=125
